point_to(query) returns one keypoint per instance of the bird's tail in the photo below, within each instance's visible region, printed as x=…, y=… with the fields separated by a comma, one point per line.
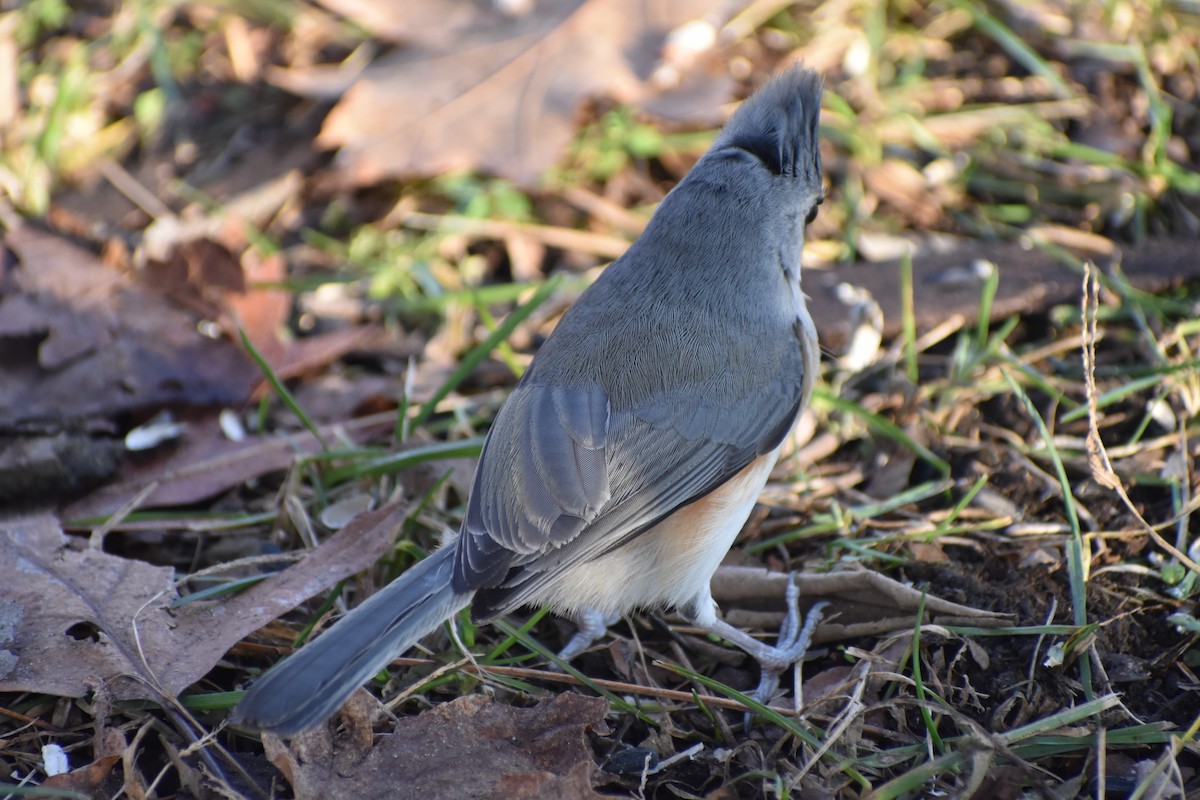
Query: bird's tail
x=307, y=687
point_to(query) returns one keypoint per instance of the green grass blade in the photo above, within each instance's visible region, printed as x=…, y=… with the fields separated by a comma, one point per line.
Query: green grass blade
x=883, y=427
x=405, y=459
x=1075, y=553
x=619, y=703
x=919, y=683
x=481, y=351
x=282, y=391
x=1015, y=46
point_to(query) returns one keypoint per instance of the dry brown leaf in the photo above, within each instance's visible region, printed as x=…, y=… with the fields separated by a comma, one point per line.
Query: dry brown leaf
x=907, y=190
x=311, y=353
x=945, y=282
x=207, y=464
x=75, y=611
x=501, y=94
x=262, y=308
x=88, y=779
x=469, y=747
x=74, y=619
x=82, y=341
x=242, y=292
x=928, y=552
x=429, y=22
x=865, y=603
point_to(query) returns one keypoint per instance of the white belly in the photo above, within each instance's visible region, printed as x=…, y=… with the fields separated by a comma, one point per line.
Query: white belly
x=670, y=565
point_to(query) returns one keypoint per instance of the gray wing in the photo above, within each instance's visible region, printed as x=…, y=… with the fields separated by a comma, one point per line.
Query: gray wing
x=541, y=480
x=564, y=477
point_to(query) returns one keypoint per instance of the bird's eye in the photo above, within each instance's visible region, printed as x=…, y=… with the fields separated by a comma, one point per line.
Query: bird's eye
x=812, y=214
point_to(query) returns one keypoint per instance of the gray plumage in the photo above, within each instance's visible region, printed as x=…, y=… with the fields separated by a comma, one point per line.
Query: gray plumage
x=669, y=341
x=689, y=358
x=309, y=686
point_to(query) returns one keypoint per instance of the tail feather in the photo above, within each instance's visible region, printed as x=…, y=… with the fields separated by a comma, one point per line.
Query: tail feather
x=307, y=687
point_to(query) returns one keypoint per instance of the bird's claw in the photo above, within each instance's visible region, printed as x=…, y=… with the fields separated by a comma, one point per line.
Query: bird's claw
x=790, y=648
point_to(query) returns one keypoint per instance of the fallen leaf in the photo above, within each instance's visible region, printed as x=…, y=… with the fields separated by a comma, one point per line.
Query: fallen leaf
x=501, y=94
x=429, y=22
x=83, y=342
x=927, y=551
x=907, y=190
x=78, y=619
x=197, y=274
x=242, y=292
x=88, y=779
x=311, y=353
x=262, y=309
x=75, y=611
x=469, y=747
x=944, y=285
x=207, y=464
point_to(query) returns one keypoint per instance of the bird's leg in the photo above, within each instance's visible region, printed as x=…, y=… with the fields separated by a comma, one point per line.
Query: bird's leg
x=592, y=624
x=789, y=649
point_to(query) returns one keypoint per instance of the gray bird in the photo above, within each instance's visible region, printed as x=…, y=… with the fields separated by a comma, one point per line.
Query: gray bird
x=621, y=469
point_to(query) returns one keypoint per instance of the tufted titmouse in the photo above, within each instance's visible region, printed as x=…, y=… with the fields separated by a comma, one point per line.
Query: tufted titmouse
x=625, y=462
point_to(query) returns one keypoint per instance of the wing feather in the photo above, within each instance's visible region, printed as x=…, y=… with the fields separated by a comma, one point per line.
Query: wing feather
x=563, y=478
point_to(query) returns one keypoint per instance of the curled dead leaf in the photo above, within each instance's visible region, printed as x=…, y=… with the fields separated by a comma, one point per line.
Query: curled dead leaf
x=502, y=92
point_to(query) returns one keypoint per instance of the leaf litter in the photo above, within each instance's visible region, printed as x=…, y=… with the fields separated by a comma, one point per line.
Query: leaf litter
x=471, y=746
x=84, y=341
x=930, y=468
x=80, y=620
x=445, y=102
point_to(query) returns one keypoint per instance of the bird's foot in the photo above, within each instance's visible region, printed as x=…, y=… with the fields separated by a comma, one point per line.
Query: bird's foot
x=789, y=649
x=592, y=625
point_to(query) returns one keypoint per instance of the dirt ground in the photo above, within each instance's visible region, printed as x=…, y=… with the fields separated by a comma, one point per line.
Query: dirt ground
x=314, y=336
